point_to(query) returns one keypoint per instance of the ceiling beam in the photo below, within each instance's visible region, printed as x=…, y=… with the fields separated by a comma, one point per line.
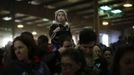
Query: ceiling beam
x=74, y=4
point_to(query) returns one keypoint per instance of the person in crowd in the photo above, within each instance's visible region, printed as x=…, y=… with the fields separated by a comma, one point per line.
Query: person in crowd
x=60, y=29
x=1, y=60
x=67, y=43
x=43, y=51
x=72, y=62
x=123, y=62
x=22, y=51
x=87, y=40
x=27, y=34
x=99, y=66
x=42, y=42
x=121, y=41
x=107, y=53
x=7, y=53
x=96, y=52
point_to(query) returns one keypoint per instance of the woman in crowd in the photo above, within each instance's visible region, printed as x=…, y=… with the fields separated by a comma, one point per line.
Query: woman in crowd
x=123, y=63
x=99, y=67
x=107, y=53
x=22, y=52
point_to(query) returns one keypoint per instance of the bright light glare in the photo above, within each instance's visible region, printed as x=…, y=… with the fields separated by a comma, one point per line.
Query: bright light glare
x=45, y=19
x=116, y=11
x=105, y=23
x=20, y=26
x=34, y=33
x=75, y=41
x=6, y=40
x=127, y=5
x=7, y=18
x=53, y=21
x=17, y=20
x=133, y=27
x=66, y=23
x=105, y=39
x=105, y=8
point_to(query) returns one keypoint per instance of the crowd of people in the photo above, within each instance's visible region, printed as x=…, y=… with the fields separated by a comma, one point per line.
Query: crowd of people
x=27, y=56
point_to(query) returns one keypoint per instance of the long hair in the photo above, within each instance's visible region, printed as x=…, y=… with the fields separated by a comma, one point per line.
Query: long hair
x=30, y=43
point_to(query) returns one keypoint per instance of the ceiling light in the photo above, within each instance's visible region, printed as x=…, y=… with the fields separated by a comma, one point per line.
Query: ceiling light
x=133, y=27
x=45, y=19
x=29, y=23
x=34, y=33
x=40, y=25
x=7, y=18
x=4, y=12
x=34, y=3
x=116, y=11
x=105, y=8
x=105, y=23
x=20, y=26
x=53, y=21
x=50, y=7
x=127, y=5
x=17, y=20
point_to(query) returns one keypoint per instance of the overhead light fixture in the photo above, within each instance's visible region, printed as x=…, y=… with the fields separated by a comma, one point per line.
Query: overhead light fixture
x=29, y=23
x=7, y=18
x=53, y=21
x=20, y=26
x=34, y=2
x=34, y=33
x=50, y=7
x=105, y=8
x=116, y=11
x=45, y=19
x=127, y=5
x=133, y=27
x=105, y=23
x=17, y=20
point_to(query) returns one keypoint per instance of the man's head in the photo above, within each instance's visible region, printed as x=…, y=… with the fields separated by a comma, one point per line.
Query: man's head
x=87, y=40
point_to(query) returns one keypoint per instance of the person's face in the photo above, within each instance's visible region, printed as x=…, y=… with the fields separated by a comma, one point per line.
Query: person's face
x=66, y=44
x=21, y=50
x=69, y=66
x=97, y=51
x=87, y=48
x=61, y=17
x=126, y=64
x=108, y=55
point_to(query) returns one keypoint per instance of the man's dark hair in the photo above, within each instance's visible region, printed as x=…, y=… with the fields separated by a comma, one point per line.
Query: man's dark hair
x=27, y=34
x=86, y=36
x=42, y=39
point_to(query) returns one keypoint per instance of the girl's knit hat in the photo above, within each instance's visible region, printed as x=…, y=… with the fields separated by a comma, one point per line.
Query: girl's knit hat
x=61, y=10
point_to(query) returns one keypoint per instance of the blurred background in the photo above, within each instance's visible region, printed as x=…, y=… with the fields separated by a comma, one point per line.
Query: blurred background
x=108, y=18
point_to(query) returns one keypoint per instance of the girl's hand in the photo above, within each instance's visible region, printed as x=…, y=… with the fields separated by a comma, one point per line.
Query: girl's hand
x=56, y=30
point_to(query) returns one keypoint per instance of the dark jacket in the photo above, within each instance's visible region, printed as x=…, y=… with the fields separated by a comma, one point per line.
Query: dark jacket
x=53, y=62
x=18, y=68
x=59, y=36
